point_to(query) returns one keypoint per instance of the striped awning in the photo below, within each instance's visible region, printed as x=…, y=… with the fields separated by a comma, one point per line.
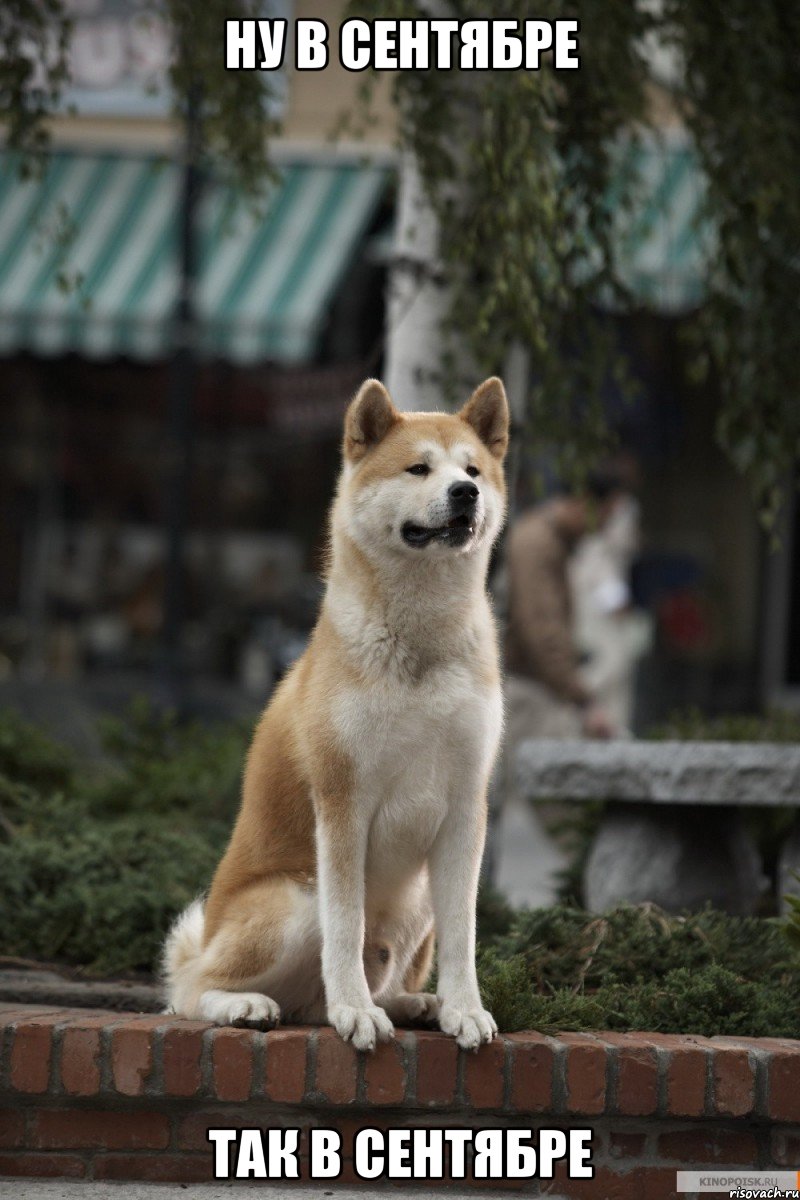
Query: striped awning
x=89, y=257
x=663, y=246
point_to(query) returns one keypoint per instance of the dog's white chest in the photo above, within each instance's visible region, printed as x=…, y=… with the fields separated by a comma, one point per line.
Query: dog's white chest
x=415, y=751
x=392, y=731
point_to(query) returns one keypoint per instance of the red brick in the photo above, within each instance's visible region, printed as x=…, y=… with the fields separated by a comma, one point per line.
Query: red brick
x=182, y=1049
x=232, y=1063
x=709, y=1146
x=12, y=1128
x=771, y=1044
x=35, y=1012
x=41, y=1166
x=78, y=1129
x=606, y=1183
x=585, y=1074
x=724, y=1042
x=160, y=1168
x=734, y=1083
x=437, y=1062
x=132, y=1058
x=658, y=1183
x=80, y=1061
x=626, y=1145
x=90, y=1018
x=531, y=1073
x=11, y=1013
x=784, y=1085
x=31, y=1054
x=497, y=1185
x=687, y=1072
x=348, y=1127
x=192, y=1129
x=337, y=1065
x=285, y=1080
x=785, y=1148
x=385, y=1073
x=483, y=1075
x=348, y=1178
x=637, y=1074
x=79, y=1018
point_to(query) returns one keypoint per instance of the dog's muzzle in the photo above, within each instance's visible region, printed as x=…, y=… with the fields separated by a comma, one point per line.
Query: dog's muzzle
x=462, y=498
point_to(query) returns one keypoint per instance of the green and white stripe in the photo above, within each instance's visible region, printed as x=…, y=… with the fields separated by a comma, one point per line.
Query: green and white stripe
x=267, y=276
x=663, y=244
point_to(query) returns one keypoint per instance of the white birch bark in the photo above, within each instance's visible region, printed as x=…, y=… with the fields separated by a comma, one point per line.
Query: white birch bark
x=417, y=299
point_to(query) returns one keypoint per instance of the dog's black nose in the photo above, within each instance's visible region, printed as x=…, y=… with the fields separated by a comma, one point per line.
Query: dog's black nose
x=462, y=494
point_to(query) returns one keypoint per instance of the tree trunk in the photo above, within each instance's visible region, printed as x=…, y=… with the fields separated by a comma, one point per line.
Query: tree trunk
x=417, y=300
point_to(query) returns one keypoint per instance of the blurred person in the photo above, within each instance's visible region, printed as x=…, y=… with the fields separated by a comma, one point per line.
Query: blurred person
x=547, y=695
x=611, y=634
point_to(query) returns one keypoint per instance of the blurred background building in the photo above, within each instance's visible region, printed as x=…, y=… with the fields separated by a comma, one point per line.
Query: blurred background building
x=288, y=307
x=288, y=314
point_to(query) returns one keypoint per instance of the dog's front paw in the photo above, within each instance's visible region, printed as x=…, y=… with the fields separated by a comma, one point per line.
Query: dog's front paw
x=361, y=1026
x=413, y=1006
x=469, y=1026
x=249, y=1009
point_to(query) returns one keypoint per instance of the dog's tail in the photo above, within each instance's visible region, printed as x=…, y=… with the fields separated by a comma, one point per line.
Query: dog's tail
x=182, y=950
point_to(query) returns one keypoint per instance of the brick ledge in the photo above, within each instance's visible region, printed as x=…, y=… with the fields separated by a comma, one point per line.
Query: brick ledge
x=122, y=1095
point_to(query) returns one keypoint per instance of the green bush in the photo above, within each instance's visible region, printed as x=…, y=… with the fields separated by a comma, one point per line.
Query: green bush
x=160, y=765
x=95, y=862
x=709, y=1002
x=691, y=725
x=100, y=894
x=30, y=756
x=637, y=968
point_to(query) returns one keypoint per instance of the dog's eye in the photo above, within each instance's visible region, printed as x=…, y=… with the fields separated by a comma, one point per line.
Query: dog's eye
x=419, y=469
x=472, y=471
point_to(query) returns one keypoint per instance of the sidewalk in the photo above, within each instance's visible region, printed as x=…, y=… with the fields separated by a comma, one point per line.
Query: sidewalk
x=527, y=857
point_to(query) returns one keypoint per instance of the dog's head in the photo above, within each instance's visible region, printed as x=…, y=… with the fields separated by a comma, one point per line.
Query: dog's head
x=424, y=484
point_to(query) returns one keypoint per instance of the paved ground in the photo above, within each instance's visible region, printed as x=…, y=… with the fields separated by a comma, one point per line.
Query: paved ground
x=527, y=858
x=57, y=1189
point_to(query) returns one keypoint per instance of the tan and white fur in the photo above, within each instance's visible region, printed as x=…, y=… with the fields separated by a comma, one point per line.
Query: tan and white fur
x=363, y=813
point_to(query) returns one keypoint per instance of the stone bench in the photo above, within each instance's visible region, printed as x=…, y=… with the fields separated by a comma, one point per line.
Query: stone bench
x=672, y=832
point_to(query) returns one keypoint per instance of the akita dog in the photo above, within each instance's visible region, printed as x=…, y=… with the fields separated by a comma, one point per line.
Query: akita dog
x=363, y=814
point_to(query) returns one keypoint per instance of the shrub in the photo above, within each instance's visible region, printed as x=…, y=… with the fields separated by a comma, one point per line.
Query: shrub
x=95, y=862
x=159, y=765
x=100, y=894
x=638, y=968
x=28, y=755
x=691, y=725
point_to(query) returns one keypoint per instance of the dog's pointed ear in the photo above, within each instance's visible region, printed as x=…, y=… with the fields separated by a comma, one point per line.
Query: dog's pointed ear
x=369, y=418
x=487, y=412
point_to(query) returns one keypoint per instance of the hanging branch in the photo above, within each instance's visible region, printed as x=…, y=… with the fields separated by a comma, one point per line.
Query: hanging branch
x=518, y=167
x=742, y=105
x=528, y=195
x=34, y=35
